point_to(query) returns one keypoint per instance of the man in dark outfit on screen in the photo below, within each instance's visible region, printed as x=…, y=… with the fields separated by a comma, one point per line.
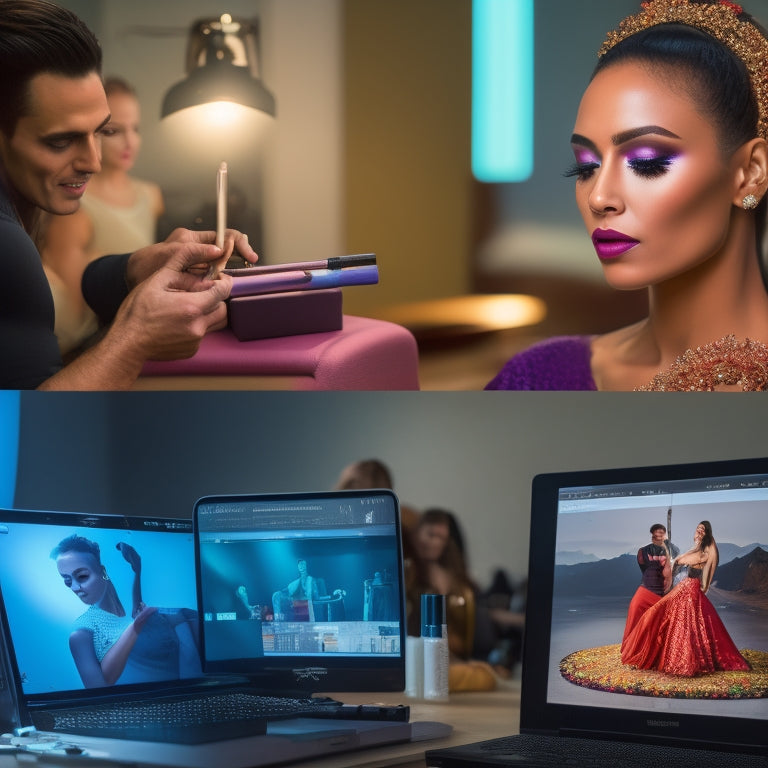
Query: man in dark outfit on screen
x=655, y=563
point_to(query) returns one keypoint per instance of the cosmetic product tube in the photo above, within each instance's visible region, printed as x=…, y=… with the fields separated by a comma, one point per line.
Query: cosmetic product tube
x=434, y=639
x=414, y=667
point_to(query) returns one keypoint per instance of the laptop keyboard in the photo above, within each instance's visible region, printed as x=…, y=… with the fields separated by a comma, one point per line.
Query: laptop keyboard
x=183, y=712
x=530, y=751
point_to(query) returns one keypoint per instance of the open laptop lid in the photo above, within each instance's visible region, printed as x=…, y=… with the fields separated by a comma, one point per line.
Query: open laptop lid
x=54, y=567
x=586, y=529
x=303, y=592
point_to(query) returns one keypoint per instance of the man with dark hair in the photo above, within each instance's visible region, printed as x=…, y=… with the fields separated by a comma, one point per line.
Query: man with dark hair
x=655, y=563
x=158, y=301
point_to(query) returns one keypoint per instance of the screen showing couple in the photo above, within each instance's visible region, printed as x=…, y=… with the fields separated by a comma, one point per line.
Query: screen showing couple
x=660, y=598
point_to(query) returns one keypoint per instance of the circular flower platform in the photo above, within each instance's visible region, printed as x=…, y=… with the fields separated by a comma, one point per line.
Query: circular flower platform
x=601, y=669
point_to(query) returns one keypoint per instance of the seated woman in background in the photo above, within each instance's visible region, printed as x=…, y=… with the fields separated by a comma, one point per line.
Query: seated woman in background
x=671, y=150
x=374, y=473
x=437, y=566
x=118, y=214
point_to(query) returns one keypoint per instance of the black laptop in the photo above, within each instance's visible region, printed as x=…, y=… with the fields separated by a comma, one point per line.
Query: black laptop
x=580, y=705
x=102, y=620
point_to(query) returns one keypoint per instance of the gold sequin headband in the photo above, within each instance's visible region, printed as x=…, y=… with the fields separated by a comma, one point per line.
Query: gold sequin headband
x=720, y=20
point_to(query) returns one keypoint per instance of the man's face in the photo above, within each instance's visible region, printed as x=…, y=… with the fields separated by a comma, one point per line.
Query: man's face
x=56, y=146
x=658, y=535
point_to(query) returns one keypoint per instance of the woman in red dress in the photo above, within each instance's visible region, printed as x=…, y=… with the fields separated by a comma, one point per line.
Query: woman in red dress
x=682, y=634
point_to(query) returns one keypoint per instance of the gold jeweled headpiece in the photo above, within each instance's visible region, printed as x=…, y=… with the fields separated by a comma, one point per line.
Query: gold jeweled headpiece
x=720, y=20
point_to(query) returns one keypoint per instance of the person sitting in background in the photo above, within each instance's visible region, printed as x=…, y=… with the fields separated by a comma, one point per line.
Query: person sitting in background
x=373, y=473
x=117, y=214
x=438, y=567
x=501, y=621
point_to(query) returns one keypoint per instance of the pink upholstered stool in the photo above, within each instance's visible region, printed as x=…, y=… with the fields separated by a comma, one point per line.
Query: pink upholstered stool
x=365, y=355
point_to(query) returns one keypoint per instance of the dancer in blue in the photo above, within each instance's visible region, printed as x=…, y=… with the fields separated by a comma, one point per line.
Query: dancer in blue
x=110, y=646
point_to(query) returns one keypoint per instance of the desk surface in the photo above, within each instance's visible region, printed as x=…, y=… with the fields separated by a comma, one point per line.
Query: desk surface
x=474, y=717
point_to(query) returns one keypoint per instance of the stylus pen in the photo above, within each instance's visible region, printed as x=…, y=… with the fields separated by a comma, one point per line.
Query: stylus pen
x=335, y=262
x=221, y=204
x=253, y=285
x=221, y=214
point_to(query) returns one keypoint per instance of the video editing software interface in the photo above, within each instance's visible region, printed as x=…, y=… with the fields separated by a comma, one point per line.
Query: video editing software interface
x=67, y=576
x=310, y=577
x=600, y=529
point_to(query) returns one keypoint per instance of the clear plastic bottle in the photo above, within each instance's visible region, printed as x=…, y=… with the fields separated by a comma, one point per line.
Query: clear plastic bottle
x=414, y=667
x=434, y=638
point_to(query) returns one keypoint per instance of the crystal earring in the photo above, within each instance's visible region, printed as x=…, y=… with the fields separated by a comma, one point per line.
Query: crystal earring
x=750, y=202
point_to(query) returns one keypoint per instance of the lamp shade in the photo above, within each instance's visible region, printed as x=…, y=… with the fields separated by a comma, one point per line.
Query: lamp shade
x=218, y=81
x=222, y=64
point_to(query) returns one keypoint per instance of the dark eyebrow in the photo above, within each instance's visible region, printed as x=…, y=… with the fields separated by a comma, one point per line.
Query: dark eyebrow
x=634, y=133
x=625, y=136
x=583, y=141
x=68, y=135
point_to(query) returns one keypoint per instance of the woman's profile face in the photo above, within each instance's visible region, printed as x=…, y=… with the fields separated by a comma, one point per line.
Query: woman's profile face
x=83, y=575
x=120, y=137
x=652, y=185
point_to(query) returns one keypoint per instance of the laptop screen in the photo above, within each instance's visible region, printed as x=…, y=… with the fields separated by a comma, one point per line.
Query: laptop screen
x=655, y=635
x=303, y=590
x=97, y=602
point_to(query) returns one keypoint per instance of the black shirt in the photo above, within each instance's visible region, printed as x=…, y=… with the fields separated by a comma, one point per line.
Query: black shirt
x=29, y=351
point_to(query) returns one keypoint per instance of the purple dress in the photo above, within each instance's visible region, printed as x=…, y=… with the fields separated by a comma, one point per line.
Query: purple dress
x=559, y=363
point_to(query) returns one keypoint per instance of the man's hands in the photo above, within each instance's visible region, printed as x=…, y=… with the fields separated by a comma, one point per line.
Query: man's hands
x=174, y=303
x=177, y=249
x=167, y=315
x=171, y=306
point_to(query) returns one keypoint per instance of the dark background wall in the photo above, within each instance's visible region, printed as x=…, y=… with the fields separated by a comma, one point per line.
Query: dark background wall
x=473, y=453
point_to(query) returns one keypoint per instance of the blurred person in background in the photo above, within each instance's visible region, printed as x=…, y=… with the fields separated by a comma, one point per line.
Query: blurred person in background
x=117, y=214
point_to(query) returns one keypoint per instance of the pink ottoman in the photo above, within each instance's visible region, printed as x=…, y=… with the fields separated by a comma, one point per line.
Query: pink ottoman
x=365, y=354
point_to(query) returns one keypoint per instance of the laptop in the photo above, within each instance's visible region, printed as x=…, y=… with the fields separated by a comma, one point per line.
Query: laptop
x=74, y=687
x=580, y=705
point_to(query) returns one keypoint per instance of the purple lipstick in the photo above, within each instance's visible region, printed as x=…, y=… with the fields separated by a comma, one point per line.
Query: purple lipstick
x=610, y=244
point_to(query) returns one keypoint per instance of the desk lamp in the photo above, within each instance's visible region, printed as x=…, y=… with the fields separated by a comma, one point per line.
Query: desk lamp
x=222, y=65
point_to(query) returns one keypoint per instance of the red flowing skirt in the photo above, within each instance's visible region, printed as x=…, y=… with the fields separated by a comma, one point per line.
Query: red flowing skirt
x=642, y=600
x=681, y=634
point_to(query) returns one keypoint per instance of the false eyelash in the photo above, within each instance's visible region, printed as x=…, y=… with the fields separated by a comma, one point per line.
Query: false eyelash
x=581, y=170
x=651, y=167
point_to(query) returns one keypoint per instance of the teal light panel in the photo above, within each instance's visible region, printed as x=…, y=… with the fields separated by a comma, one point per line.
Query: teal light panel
x=502, y=90
x=10, y=403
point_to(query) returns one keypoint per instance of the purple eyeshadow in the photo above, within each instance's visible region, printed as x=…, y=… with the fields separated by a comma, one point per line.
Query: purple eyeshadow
x=585, y=156
x=649, y=153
